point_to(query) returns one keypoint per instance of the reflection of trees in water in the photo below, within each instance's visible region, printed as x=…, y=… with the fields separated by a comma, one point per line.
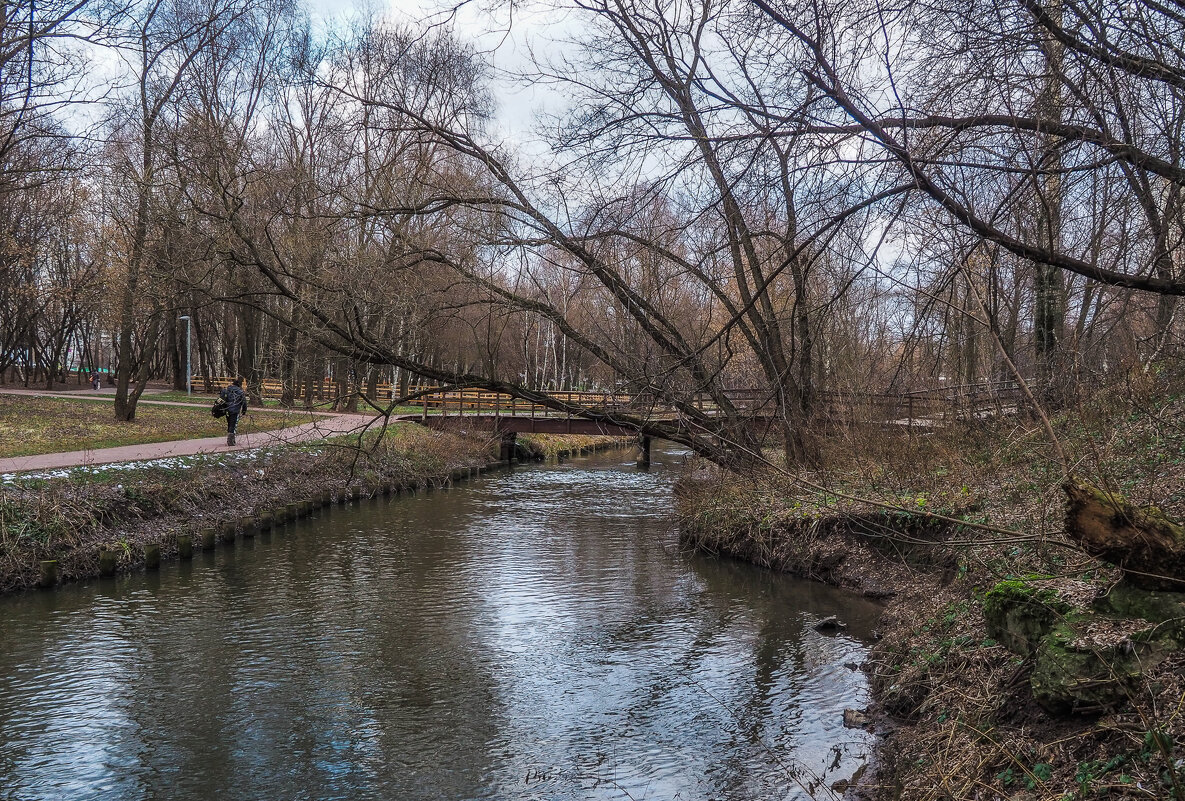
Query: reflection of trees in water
x=772, y=714
x=441, y=646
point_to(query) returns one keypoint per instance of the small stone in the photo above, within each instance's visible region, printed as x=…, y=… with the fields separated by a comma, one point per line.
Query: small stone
x=855, y=719
x=830, y=624
x=851, y=665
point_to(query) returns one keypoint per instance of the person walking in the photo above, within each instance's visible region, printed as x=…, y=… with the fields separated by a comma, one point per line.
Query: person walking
x=236, y=404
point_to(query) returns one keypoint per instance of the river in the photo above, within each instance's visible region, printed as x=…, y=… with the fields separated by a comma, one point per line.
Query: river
x=535, y=634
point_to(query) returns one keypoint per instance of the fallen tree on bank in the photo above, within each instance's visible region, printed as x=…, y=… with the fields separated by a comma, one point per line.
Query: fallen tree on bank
x=1143, y=541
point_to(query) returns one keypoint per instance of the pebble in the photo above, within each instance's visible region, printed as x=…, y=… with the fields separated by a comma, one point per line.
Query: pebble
x=830, y=623
x=855, y=719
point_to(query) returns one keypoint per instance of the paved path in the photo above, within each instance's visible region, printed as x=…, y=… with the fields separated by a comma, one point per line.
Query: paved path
x=336, y=425
x=108, y=394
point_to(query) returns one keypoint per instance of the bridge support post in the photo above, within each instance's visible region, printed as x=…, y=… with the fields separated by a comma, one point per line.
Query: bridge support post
x=643, y=451
x=506, y=448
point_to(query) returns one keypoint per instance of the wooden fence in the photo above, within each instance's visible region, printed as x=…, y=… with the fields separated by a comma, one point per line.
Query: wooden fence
x=939, y=405
x=325, y=389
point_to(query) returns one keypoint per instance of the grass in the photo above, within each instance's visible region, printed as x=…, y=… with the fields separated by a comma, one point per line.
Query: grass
x=198, y=398
x=69, y=515
x=549, y=446
x=35, y=425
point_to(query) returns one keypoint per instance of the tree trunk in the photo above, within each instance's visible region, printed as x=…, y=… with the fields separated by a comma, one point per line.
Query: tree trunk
x=175, y=347
x=248, y=366
x=126, y=363
x=1148, y=546
x=1049, y=313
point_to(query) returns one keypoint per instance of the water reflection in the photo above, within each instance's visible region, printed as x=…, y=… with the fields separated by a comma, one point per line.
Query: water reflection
x=536, y=635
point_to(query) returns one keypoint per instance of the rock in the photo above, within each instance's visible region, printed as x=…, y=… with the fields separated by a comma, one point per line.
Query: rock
x=1166, y=608
x=830, y=624
x=1089, y=652
x=851, y=665
x=855, y=719
x=1020, y=612
x=1093, y=663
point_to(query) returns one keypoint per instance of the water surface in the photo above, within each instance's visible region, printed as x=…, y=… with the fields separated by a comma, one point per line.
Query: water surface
x=536, y=634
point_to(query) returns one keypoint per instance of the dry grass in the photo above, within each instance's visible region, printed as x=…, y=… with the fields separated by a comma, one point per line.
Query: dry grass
x=550, y=446
x=35, y=425
x=68, y=518
x=967, y=724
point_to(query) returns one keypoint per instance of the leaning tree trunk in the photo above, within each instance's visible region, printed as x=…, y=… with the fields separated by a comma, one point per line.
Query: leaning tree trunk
x=1149, y=547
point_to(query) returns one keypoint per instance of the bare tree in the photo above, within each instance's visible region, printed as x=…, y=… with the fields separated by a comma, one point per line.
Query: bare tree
x=161, y=42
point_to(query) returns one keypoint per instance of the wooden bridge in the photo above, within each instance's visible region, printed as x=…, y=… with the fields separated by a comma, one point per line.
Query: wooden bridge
x=932, y=406
x=622, y=415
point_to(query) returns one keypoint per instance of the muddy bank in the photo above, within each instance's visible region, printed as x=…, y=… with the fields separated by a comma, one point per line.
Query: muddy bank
x=987, y=682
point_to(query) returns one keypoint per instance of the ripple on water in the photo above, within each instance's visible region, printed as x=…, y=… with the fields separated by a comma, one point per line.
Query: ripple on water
x=532, y=635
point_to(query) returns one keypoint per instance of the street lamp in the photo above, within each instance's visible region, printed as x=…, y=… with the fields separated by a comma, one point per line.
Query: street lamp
x=188, y=350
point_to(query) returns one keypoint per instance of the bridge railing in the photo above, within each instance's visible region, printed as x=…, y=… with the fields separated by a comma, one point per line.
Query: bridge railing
x=478, y=401
x=325, y=389
x=938, y=405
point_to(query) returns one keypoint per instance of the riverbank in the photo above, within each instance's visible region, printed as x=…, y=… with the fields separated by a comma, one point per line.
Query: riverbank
x=562, y=446
x=145, y=511
x=131, y=511
x=1011, y=663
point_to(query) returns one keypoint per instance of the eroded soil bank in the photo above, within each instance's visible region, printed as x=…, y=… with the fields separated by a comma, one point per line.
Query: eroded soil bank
x=69, y=516
x=1011, y=664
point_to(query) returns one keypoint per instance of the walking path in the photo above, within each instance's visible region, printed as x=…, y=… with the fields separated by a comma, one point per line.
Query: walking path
x=108, y=394
x=330, y=425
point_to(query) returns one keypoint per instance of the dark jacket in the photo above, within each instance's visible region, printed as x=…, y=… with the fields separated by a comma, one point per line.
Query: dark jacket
x=236, y=399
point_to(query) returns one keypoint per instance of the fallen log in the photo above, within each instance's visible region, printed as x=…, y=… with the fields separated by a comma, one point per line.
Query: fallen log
x=1147, y=545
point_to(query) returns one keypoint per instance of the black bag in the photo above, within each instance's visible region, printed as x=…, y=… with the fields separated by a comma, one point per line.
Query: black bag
x=219, y=409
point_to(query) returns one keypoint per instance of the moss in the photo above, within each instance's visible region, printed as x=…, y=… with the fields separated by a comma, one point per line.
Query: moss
x=1020, y=612
x=1160, y=607
x=1074, y=673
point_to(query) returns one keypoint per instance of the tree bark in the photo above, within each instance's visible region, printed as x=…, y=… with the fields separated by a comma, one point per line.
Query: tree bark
x=1148, y=546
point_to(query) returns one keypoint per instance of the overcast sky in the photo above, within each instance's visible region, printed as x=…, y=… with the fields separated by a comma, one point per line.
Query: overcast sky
x=505, y=38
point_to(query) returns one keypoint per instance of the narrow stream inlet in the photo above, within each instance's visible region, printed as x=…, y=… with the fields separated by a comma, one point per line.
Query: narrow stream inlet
x=536, y=634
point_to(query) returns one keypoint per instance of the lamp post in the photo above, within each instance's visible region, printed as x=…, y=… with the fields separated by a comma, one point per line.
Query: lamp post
x=188, y=350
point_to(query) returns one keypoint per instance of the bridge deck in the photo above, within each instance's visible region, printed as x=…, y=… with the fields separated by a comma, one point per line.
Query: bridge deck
x=922, y=408
x=521, y=425
x=481, y=409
